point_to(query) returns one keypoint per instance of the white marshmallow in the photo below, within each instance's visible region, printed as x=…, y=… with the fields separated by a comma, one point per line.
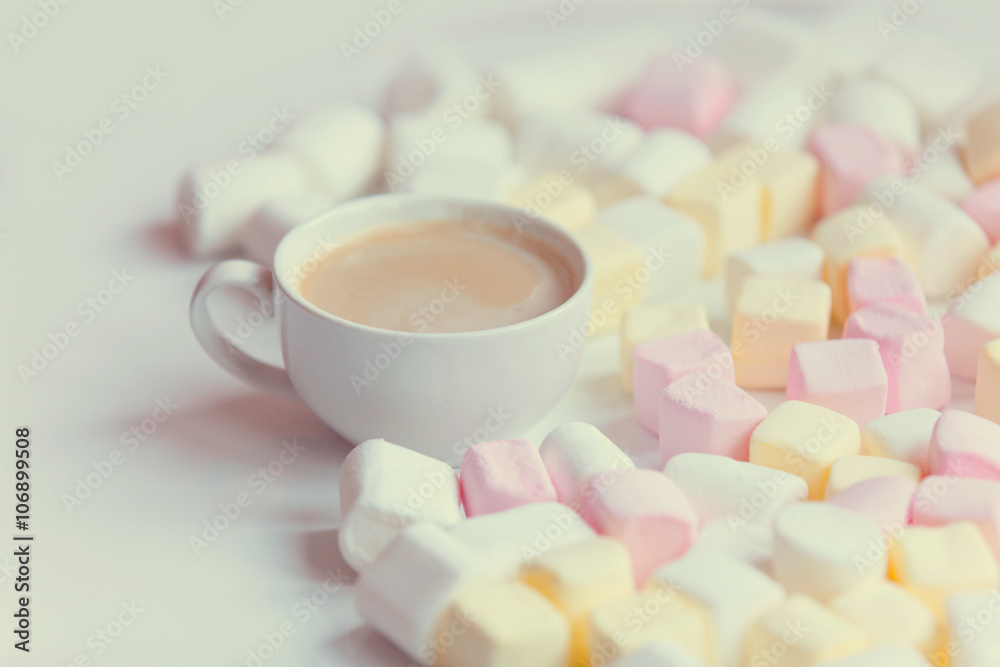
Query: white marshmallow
x=817, y=547
x=472, y=180
x=941, y=243
x=763, y=114
x=933, y=75
x=341, y=146
x=904, y=436
x=588, y=143
x=749, y=543
x=575, y=451
x=417, y=142
x=384, y=488
x=945, y=176
x=882, y=107
x=664, y=160
x=886, y=656
x=271, y=222
x=672, y=242
x=973, y=320
x=732, y=593
x=407, y=589
x=738, y=492
x=216, y=200
x=515, y=537
x=973, y=623
x=436, y=78
x=787, y=258
x=660, y=653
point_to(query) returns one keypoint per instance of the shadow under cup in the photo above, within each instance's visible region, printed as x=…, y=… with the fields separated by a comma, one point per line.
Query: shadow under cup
x=436, y=393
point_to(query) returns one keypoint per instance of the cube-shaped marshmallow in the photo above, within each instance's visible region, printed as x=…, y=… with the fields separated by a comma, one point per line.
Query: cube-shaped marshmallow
x=844, y=375
x=780, y=637
x=973, y=633
x=904, y=436
x=982, y=152
x=615, y=631
x=851, y=156
x=503, y=474
x=664, y=160
x=890, y=615
x=576, y=452
x=850, y=470
x=882, y=107
x=556, y=196
x=617, y=265
x=888, y=281
x=787, y=258
x=988, y=382
x=884, y=500
x=965, y=445
x=973, y=320
x=642, y=324
x=941, y=500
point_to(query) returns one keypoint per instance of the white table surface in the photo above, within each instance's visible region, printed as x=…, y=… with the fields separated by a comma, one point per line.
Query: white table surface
x=129, y=541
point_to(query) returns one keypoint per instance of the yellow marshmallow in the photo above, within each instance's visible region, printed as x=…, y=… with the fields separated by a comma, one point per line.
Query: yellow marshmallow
x=500, y=624
x=801, y=632
x=557, y=197
x=982, y=153
x=617, y=264
x=988, y=382
x=935, y=562
x=804, y=439
x=890, y=615
x=578, y=578
x=849, y=470
x=849, y=234
x=645, y=323
x=773, y=314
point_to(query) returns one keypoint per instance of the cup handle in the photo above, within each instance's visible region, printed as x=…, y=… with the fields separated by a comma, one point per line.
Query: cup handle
x=257, y=280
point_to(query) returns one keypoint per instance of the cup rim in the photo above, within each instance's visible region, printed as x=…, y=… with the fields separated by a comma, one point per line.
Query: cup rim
x=283, y=281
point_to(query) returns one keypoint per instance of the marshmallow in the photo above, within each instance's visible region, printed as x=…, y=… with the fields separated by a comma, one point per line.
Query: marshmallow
x=587, y=143
x=988, y=382
x=731, y=216
x=341, y=147
x=712, y=416
x=933, y=563
x=852, y=156
x=438, y=80
x=787, y=258
x=746, y=542
x=664, y=160
x=965, y=445
x=272, y=221
x=416, y=142
x=804, y=439
x=945, y=176
x=618, y=263
x=660, y=654
x=649, y=514
x=216, y=200
x=772, y=316
x=506, y=624
x=790, y=180
x=846, y=376
x=983, y=205
x=823, y=550
x=660, y=362
x=880, y=106
x=982, y=153
x=904, y=436
x=384, y=488
x=850, y=470
x=672, y=242
x=502, y=474
x=736, y=492
x=973, y=630
x=575, y=452
x=410, y=585
x=912, y=350
x=468, y=180
x=694, y=99
x=890, y=616
x=847, y=235
x=933, y=75
x=973, y=320
x=942, y=500
x=556, y=197
x=763, y=114
x=897, y=656
x=624, y=625
x=642, y=324
x=800, y=632
x=515, y=537
x=577, y=579
x=872, y=280
x=884, y=500
x=941, y=242
x=732, y=594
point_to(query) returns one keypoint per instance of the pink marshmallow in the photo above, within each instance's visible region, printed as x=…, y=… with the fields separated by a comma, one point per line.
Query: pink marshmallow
x=851, y=156
x=501, y=475
x=983, y=205
x=965, y=445
x=649, y=514
x=941, y=500
x=698, y=414
x=873, y=280
x=660, y=362
x=695, y=99
x=912, y=351
x=845, y=375
x=884, y=500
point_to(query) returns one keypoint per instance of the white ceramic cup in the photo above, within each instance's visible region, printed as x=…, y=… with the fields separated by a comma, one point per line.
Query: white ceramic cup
x=433, y=392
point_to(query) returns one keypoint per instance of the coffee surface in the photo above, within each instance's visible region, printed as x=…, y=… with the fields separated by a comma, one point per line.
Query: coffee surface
x=440, y=277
